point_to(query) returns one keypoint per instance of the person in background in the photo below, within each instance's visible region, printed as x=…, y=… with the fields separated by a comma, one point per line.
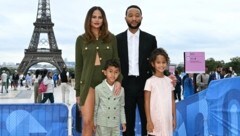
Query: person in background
x=109, y=109
x=72, y=75
x=28, y=80
x=47, y=80
x=22, y=78
x=226, y=73
x=65, y=88
x=37, y=77
x=178, y=89
x=202, y=80
x=4, y=78
x=159, y=97
x=55, y=79
x=216, y=75
x=8, y=79
x=233, y=72
x=93, y=48
x=188, y=86
x=15, y=79
x=11, y=80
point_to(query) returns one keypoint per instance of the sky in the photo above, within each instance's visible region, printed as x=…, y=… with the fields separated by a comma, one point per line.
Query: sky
x=210, y=26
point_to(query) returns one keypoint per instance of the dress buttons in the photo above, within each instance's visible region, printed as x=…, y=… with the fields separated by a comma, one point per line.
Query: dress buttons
x=108, y=98
x=109, y=108
x=107, y=47
x=86, y=48
x=97, y=47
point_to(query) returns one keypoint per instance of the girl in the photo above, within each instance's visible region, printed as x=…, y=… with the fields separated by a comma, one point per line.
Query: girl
x=159, y=97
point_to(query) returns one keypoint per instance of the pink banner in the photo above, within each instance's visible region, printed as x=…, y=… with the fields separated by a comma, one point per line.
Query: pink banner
x=194, y=62
x=172, y=69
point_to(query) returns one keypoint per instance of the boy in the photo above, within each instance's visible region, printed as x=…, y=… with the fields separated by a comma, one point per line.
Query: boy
x=109, y=109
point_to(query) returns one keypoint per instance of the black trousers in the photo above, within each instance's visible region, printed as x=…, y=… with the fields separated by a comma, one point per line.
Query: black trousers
x=47, y=96
x=134, y=97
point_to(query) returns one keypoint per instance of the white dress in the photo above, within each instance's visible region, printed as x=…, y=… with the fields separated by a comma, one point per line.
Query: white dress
x=160, y=104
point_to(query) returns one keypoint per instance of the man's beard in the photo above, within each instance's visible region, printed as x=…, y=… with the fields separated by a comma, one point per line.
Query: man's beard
x=133, y=27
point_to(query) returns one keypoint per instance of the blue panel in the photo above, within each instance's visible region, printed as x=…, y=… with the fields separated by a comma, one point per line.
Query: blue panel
x=74, y=131
x=33, y=120
x=214, y=111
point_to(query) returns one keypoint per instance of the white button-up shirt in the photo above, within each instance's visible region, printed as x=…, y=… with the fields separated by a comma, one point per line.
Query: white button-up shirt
x=133, y=53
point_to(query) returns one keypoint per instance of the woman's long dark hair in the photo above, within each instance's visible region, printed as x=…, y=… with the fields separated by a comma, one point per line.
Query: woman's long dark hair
x=88, y=35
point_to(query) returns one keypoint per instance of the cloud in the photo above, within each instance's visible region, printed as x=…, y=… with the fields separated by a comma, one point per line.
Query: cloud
x=179, y=26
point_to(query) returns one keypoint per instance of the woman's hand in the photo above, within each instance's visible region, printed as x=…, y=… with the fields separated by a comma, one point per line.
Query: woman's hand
x=117, y=88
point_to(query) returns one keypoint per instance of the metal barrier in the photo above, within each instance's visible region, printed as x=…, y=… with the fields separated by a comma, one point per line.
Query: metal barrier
x=33, y=120
x=214, y=111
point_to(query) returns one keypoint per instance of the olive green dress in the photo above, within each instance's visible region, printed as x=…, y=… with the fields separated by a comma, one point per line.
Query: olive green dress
x=87, y=74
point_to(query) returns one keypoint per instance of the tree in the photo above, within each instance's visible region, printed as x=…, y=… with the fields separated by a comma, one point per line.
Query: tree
x=235, y=64
x=212, y=64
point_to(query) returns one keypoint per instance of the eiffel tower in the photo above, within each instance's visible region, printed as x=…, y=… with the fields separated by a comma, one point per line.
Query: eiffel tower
x=42, y=49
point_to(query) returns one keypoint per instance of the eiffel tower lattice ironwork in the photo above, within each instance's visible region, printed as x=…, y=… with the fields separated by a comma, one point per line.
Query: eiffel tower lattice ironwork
x=42, y=49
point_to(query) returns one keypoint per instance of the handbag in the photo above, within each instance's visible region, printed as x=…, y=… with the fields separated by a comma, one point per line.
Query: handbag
x=42, y=88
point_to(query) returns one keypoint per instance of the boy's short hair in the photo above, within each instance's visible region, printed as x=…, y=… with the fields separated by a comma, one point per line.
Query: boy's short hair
x=112, y=62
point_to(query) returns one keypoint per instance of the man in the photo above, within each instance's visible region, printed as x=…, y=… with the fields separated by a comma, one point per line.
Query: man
x=134, y=49
x=202, y=80
x=4, y=78
x=216, y=75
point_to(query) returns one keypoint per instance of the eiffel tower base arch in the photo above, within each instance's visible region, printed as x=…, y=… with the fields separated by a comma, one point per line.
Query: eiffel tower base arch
x=32, y=58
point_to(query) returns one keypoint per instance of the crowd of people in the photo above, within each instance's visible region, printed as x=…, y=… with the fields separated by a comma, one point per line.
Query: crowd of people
x=193, y=83
x=32, y=80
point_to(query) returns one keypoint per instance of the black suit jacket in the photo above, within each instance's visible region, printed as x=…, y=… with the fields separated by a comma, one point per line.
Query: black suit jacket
x=147, y=43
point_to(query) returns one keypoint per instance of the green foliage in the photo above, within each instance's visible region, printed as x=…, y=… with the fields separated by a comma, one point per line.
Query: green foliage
x=212, y=64
x=180, y=69
x=234, y=63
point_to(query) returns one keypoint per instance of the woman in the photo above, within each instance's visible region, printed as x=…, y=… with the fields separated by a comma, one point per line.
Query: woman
x=93, y=48
x=48, y=81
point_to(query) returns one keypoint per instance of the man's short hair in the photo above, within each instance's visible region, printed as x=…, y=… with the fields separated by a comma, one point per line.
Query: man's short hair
x=133, y=6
